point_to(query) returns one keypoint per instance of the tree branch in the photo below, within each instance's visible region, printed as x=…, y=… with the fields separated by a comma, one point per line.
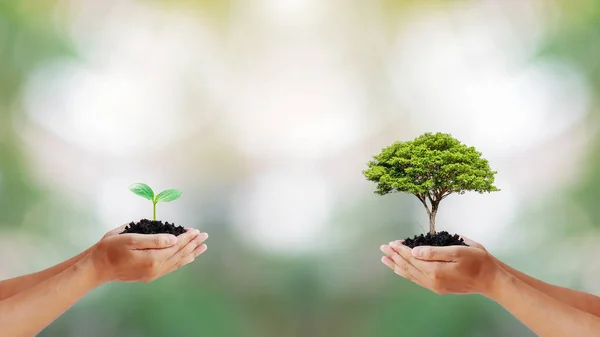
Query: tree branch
x=446, y=193
x=424, y=202
x=440, y=193
x=431, y=198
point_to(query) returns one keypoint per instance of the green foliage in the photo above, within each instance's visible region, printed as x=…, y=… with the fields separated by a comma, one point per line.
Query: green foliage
x=431, y=167
x=434, y=164
x=168, y=195
x=142, y=190
x=145, y=191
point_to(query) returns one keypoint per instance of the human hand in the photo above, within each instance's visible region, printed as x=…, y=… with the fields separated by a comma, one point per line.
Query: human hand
x=143, y=257
x=443, y=270
x=472, y=243
x=108, y=234
x=115, y=231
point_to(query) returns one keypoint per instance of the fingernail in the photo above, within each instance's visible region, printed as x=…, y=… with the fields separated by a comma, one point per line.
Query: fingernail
x=382, y=248
x=394, y=244
x=203, y=236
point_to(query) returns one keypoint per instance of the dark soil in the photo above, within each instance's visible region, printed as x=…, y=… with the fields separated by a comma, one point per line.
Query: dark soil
x=146, y=226
x=442, y=238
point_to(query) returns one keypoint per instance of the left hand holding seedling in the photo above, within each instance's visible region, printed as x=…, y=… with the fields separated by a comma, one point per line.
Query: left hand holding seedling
x=137, y=257
x=443, y=270
x=29, y=303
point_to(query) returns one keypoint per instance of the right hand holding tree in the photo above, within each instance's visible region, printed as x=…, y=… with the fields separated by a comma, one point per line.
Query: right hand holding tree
x=444, y=270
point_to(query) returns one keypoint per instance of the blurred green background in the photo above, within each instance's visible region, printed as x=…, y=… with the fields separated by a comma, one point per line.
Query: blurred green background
x=265, y=113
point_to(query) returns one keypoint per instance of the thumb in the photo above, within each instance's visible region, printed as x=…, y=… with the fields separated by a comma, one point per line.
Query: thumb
x=428, y=253
x=472, y=243
x=469, y=241
x=151, y=241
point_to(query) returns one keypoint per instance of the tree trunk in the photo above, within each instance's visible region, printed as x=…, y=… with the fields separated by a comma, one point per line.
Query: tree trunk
x=432, y=223
x=434, y=209
x=430, y=212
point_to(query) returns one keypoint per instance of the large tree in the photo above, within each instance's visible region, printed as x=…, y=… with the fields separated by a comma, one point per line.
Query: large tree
x=431, y=167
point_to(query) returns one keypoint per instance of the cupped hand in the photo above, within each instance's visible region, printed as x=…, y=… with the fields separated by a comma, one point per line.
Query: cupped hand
x=143, y=257
x=472, y=243
x=115, y=231
x=443, y=270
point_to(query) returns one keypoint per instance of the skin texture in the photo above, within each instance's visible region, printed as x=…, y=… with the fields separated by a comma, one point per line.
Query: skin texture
x=32, y=302
x=548, y=310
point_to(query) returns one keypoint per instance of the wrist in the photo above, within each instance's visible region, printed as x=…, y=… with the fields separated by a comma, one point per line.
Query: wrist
x=500, y=263
x=94, y=269
x=500, y=278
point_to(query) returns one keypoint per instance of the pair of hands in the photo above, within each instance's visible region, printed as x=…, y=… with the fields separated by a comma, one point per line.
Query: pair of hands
x=444, y=270
x=142, y=257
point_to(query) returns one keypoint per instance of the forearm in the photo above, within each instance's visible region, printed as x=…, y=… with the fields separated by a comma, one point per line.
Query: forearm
x=544, y=315
x=580, y=300
x=28, y=312
x=15, y=285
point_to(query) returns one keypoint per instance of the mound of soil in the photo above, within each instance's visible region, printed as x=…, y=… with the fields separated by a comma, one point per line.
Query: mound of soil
x=439, y=239
x=146, y=226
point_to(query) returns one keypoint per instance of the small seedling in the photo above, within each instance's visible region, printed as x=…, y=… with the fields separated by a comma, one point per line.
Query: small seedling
x=145, y=191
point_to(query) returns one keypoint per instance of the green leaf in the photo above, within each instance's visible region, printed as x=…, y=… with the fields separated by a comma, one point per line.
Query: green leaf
x=168, y=195
x=142, y=190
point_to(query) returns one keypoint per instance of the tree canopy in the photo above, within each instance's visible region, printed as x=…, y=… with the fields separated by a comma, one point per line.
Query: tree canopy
x=431, y=167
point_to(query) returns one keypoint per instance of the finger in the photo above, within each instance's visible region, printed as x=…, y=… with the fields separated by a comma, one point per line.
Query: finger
x=393, y=254
x=445, y=254
x=407, y=254
x=387, y=250
x=388, y=262
x=404, y=251
x=115, y=231
x=405, y=265
x=186, y=250
x=402, y=270
x=393, y=266
x=119, y=229
x=182, y=241
x=149, y=241
x=470, y=242
x=199, y=250
x=187, y=259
